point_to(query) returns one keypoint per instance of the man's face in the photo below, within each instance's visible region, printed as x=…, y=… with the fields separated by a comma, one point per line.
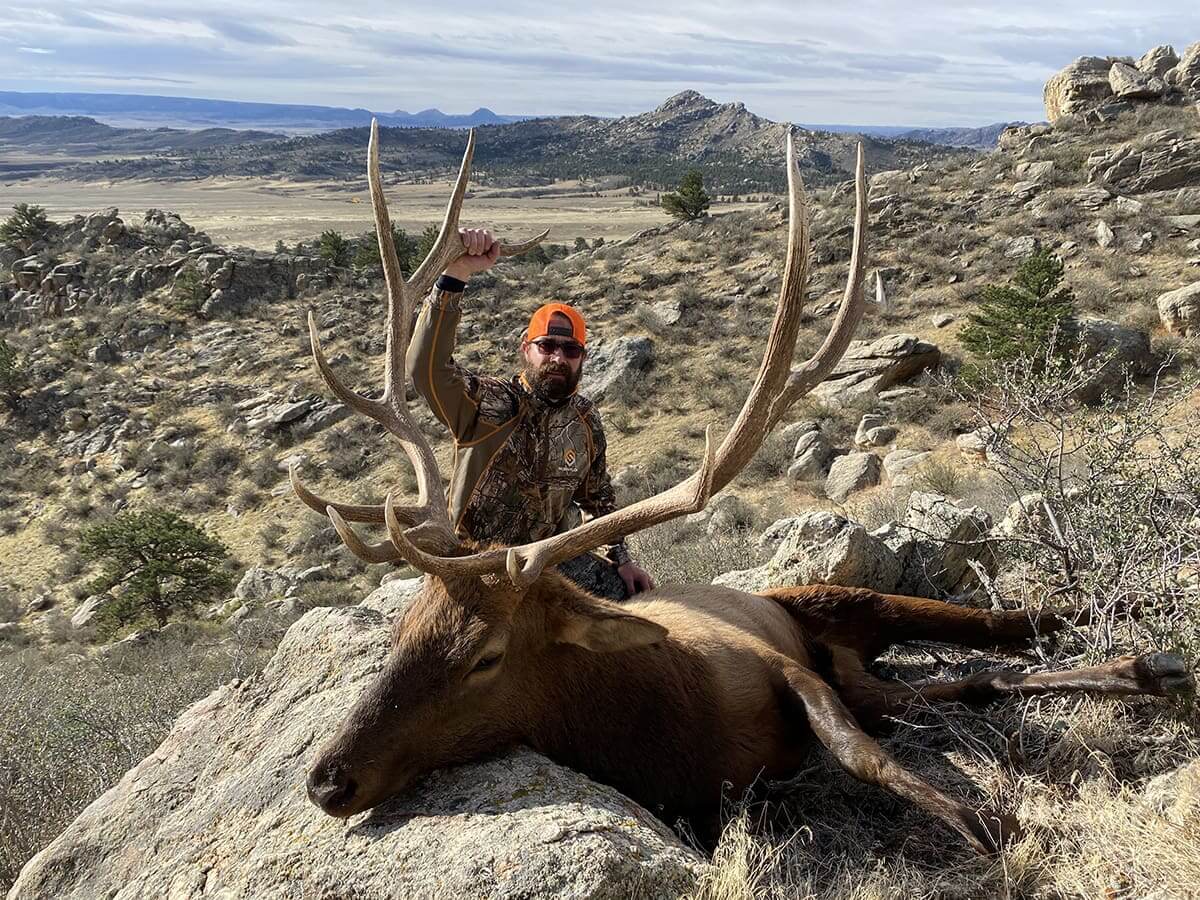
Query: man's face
x=548, y=368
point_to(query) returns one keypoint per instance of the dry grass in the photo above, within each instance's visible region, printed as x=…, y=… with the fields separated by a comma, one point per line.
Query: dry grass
x=1078, y=789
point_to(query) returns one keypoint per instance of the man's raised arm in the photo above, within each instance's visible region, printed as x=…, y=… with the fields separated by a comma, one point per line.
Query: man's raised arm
x=431, y=368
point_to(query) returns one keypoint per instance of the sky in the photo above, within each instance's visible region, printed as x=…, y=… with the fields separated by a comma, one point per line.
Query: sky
x=912, y=63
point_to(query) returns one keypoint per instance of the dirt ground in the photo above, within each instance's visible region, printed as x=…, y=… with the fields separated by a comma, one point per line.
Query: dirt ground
x=257, y=212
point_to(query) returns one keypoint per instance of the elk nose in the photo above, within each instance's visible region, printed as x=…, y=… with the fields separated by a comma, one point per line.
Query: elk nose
x=330, y=788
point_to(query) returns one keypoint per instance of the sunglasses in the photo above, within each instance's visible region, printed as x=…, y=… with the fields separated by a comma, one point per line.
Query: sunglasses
x=549, y=346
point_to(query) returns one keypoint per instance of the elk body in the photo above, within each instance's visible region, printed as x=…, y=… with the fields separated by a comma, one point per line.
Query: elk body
x=678, y=696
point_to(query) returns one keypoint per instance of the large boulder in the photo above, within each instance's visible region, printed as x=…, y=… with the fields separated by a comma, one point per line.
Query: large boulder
x=1079, y=87
x=1179, y=309
x=936, y=543
x=1158, y=60
x=219, y=809
x=869, y=367
x=1116, y=353
x=614, y=368
x=825, y=548
x=1185, y=76
x=1128, y=83
x=851, y=472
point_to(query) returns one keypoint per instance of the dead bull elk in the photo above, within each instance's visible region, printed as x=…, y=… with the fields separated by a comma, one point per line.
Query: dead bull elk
x=680, y=691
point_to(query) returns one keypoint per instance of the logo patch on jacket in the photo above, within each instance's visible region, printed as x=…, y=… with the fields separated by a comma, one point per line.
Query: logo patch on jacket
x=569, y=456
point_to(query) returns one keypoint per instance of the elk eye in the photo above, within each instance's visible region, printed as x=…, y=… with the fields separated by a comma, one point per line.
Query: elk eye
x=487, y=662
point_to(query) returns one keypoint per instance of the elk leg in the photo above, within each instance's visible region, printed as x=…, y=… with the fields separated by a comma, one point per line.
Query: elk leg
x=859, y=754
x=870, y=622
x=871, y=698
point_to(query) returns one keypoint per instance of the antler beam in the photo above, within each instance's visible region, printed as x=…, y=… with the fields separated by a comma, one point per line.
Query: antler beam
x=429, y=519
x=775, y=389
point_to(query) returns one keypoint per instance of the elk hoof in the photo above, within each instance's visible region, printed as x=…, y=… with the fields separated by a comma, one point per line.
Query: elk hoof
x=991, y=831
x=1164, y=674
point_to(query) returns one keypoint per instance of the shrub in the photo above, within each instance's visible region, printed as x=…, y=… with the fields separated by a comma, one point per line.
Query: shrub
x=1021, y=319
x=188, y=292
x=162, y=564
x=367, y=253
x=334, y=249
x=13, y=376
x=689, y=201
x=27, y=225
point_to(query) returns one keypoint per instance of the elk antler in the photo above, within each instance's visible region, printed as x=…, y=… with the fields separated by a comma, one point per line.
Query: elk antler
x=429, y=519
x=775, y=389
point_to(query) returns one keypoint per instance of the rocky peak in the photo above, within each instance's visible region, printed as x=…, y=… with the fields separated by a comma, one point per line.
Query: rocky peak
x=686, y=100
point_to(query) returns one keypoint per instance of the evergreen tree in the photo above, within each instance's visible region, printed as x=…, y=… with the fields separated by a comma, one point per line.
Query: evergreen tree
x=689, y=201
x=334, y=249
x=1019, y=320
x=26, y=225
x=162, y=563
x=425, y=243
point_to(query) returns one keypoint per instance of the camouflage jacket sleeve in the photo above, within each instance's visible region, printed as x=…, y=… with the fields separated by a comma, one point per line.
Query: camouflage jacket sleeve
x=595, y=494
x=459, y=398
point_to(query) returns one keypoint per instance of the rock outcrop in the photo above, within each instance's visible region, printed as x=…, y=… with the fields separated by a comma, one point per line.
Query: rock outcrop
x=219, y=809
x=1179, y=310
x=1102, y=85
x=869, y=367
x=820, y=548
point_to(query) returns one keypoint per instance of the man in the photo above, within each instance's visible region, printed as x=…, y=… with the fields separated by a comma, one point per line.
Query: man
x=526, y=451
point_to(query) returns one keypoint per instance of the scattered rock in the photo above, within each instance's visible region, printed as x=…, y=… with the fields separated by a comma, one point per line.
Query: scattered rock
x=259, y=585
x=900, y=466
x=978, y=444
x=935, y=544
x=1126, y=352
x=874, y=431
x=810, y=457
x=1159, y=161
x=1176, y=794
x=1179, y=310
x=869, y=367
x=1104, y=235
x=1021, y=247
x=941, y=320
x=851, y=473
x=615, y=367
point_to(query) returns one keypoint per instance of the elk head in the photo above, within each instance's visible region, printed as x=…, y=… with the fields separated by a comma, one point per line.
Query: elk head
x=474, y=650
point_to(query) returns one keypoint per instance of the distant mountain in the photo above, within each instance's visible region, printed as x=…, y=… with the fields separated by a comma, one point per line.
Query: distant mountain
x=188, y=112
x=737, y=151
x=981, y=138
x=68, y=132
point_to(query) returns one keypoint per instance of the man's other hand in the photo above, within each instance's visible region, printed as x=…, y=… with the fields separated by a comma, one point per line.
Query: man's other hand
x=635, y=577
x=482, y=252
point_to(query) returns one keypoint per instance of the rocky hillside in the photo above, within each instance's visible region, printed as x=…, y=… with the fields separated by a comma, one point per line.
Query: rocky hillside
x=737, y=150
x=159, y=369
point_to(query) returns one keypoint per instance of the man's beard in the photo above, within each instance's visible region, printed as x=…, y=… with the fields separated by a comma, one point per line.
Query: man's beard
x=542, y=380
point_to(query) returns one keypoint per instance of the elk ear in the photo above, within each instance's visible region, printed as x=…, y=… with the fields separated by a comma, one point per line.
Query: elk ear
x=602, y=627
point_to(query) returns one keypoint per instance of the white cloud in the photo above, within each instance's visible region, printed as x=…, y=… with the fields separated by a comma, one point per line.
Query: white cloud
x=34, y=50
x=923, y=62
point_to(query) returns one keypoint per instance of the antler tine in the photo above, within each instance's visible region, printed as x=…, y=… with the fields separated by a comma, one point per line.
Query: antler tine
x=774, y=389
x=807, y=376
x=351, y=512
x=449, y=245
x=372, y=553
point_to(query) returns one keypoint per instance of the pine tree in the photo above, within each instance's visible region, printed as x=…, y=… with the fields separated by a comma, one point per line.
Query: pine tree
x=26, y=225
x=1021, y=320
x=689, y=201
x=161, y=562
x=334, y=249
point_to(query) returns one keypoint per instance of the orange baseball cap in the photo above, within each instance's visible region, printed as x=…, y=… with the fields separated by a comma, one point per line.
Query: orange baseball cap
x=540, y=326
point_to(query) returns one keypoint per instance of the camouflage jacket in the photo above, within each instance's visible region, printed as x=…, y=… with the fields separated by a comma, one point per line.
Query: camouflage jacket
x=521, y=464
